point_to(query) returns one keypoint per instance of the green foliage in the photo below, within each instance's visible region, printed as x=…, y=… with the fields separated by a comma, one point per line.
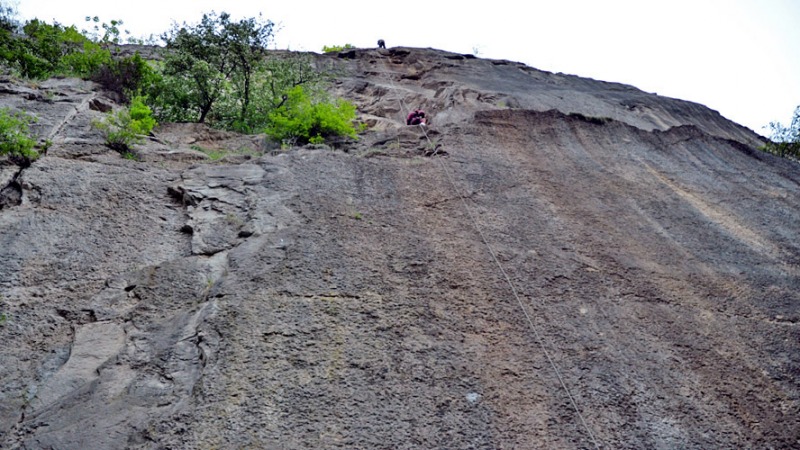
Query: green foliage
x=282, y=74
x=130, y=155
x=247, y=41
x=174, y=99
x=191, y=88
x=39, y=54
x=214, y=58
x=271, y=81
x=84, y=63
x=46, y=49
x=218, y=72
x=15, y=138
x=142, y=121
x=127, y=77
x=785, y=141
x=304, y=118
x=110, y=34
x=127, y=126
x=336, y=48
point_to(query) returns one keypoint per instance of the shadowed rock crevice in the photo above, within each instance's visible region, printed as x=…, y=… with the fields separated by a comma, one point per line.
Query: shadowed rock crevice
x=10, y=187
x=10, y=194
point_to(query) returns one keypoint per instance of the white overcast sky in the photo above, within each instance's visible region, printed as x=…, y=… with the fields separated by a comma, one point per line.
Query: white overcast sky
x=739, y=57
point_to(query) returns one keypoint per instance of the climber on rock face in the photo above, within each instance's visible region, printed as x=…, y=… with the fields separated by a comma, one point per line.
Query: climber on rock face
x=381, y=43
x=416, y=117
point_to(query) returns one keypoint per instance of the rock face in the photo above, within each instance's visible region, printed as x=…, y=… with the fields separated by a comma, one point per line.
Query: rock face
x=577, y=264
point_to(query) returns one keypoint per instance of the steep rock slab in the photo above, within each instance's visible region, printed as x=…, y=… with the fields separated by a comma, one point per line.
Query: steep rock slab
x=78, y=225
x=93, y=346
x=321, y=299
x=381, y=320
x=149, y=333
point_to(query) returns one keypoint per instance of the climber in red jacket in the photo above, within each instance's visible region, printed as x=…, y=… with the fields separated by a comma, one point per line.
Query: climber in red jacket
x=416, y=117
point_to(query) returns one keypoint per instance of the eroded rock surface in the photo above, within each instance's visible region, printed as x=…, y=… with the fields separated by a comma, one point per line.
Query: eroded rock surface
x=577, y=264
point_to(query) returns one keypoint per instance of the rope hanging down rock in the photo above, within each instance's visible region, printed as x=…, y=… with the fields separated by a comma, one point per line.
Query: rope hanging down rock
x=405, y=110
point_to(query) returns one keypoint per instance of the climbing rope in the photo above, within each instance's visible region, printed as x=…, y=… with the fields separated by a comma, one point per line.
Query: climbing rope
x=491, y=251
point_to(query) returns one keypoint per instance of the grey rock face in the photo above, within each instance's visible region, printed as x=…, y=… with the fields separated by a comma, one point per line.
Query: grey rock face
x=363, y=299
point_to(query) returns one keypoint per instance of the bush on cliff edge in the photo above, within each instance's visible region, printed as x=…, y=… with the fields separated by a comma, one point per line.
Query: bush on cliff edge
x=785, y=140
x=127, y=126
x=304, y=118
x=15, y=138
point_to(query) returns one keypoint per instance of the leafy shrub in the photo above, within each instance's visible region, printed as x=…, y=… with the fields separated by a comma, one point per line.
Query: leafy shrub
x=336, y=48
x=37, y=55
x=47, y=49
x=15, y=138
x=44, y=40
x=130, y=155
x=218, y=72
x=271, y=82
x=142, y=120
x=304, y=118
x=785, y=141
x=84, y=63
x=127, y=126
x=127, y=77
x=30, y=65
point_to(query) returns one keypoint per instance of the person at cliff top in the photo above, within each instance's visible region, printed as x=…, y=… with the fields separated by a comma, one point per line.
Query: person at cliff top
x=416, y=117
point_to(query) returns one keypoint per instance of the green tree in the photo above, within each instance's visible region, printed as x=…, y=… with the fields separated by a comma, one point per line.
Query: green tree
x=247, y=41
x=172, y=99
x=218, y=71
x=85, y=62
x=283, y=74
x=215, y=56
x=8, y=42
x=271, y=82
x=785, y=140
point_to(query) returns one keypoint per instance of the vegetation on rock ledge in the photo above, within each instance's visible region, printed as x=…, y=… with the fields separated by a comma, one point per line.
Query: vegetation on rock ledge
x=217, y=71
x=127, y=126
x=336, y=48
x=785, y=140
x=15, y=138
